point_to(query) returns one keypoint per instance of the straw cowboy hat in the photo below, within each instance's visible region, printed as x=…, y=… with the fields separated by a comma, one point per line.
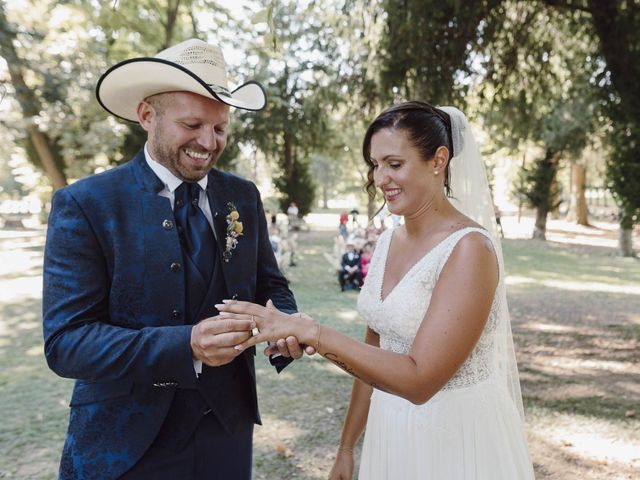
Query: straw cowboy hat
x=191, y=66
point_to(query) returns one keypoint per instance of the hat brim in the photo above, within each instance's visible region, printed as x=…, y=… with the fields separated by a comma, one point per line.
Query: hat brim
x=124, y=85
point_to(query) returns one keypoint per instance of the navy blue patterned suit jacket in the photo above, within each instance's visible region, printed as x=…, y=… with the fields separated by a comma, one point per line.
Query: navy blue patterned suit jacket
x=113, y=306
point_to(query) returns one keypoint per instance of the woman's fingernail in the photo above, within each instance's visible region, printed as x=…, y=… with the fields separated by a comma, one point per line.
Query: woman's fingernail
x=238, y=347
x=227, y=301
x=219, y=305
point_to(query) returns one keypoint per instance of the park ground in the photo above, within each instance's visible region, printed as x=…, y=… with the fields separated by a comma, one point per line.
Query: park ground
x=575, y=310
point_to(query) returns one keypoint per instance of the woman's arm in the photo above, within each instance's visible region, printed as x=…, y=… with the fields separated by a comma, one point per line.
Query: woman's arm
x=453, y=323
x=354, y=422
x=356, y=417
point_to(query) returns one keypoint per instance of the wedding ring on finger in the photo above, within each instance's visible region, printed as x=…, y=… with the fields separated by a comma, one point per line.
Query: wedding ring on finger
x=255, y=331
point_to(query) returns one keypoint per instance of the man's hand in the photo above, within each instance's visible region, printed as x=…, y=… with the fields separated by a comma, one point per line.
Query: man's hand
x=213, y=339
x=289, y=347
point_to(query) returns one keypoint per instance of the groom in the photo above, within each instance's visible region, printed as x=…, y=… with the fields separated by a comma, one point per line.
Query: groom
x=135, y=260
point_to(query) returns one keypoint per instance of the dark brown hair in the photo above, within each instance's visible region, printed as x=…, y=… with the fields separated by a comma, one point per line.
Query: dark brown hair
x=426, y=126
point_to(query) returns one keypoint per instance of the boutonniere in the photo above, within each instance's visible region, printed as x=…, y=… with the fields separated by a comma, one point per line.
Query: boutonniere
x=234, y=230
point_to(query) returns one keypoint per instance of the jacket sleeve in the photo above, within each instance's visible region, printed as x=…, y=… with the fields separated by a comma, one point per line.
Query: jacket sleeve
x=81, y=341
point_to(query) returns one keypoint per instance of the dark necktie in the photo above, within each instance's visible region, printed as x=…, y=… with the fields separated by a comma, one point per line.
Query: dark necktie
x=198, y=245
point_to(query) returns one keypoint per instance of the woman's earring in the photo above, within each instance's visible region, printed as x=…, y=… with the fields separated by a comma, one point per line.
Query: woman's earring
x=435, y=172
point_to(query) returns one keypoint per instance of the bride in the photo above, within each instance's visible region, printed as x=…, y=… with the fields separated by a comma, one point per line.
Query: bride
x=436, y=387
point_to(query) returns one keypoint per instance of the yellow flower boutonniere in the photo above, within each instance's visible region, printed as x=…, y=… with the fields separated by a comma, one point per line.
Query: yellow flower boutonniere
x=234, y=230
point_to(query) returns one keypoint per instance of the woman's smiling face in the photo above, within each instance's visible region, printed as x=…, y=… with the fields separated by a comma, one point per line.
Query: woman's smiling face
x=407, y=180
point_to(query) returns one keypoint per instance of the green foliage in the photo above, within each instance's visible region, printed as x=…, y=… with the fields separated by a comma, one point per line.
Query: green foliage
x=623, y=170
x=298, y=188
x=616, y=24
x=537, y=85
x=298, y=79
x=536, y=185
x=426, y=46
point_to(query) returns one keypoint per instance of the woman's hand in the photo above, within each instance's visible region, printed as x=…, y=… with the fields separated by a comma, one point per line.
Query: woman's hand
x=343, y=465
x=272, y=324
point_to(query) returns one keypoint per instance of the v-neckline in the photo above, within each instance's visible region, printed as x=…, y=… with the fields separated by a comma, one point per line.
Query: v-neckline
x=406, y=274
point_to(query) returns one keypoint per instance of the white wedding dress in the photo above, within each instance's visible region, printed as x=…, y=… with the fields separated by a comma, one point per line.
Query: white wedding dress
x=471, y=429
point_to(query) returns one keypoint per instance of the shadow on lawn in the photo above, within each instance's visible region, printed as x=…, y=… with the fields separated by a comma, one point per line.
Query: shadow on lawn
x=578, y=351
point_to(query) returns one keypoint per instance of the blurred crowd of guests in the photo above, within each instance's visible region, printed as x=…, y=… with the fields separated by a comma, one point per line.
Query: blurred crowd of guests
x=283, y=237
x=354, y=247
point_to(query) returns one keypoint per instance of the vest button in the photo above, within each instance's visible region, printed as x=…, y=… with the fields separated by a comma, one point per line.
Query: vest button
x=175, y=267
x=179, y=202
x=167, y=224
x=176, y=314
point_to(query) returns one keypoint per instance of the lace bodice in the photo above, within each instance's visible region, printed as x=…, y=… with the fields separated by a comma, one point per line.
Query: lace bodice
x=397, y=318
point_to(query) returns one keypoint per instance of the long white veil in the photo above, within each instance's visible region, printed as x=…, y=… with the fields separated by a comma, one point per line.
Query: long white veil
x=471, y=196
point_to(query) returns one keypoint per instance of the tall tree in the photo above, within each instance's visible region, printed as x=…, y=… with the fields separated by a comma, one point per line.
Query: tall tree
x=617, y=25
x=297, y=76
x=30, y=102
x=538, y=88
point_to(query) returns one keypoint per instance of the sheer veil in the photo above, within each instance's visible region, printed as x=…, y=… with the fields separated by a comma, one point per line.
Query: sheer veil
x=471, y=196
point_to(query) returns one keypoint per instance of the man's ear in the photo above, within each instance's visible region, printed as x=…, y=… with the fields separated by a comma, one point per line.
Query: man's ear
x=146, y=115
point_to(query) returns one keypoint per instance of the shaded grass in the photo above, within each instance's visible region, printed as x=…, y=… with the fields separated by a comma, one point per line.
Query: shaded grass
x=546, y=260
x=33, y=400
x=589, y=406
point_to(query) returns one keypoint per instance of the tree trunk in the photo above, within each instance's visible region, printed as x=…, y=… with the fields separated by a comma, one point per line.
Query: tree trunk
x=540, y=229
x=29, y=103
x=42, y=144
x=555, y=210
x=625, y=238
x=543, y=195
x=325, y=195
x=288, y=166
x=578, y=211
x=625, y=242
x=169, y=26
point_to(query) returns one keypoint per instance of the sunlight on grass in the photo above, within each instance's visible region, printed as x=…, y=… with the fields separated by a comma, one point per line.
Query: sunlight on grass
x=19, y=289
x=577, y=365
x=575, y=286
x=27, y=325
x=593, y=440
x=347, y=315
x=548, y=327
x=37, y=351
x=271, y=425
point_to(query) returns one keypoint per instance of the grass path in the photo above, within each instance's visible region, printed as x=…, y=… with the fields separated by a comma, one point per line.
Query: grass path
x=576, y=319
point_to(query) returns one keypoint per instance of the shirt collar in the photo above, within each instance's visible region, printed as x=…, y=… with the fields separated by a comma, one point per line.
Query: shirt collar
x=170, y=181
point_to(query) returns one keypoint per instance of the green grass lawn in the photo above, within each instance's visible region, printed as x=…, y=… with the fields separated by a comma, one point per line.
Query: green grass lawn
x=577, y=351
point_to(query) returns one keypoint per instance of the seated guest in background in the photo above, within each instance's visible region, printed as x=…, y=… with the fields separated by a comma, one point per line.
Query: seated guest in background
x=350, y=276
x=365, y=258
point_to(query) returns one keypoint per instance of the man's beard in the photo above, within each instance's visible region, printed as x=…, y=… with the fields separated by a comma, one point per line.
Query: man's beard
x=169, y=157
